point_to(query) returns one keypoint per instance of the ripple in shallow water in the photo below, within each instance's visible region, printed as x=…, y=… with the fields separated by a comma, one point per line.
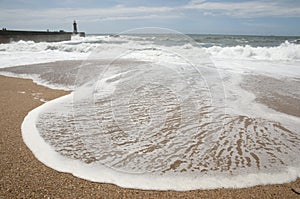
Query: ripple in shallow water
x=229, y=144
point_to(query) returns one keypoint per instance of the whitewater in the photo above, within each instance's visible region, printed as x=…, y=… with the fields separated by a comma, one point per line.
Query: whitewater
x=167, y=111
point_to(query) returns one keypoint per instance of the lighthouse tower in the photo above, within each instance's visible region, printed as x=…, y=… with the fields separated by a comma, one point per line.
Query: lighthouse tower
x=75, y=27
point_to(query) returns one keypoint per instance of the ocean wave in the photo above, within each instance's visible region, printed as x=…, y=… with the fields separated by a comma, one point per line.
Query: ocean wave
x=285, y=51
x=30, y=46
x=82, y=47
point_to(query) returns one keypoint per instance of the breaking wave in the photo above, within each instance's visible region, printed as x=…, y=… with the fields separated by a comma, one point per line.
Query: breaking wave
x=28, y=52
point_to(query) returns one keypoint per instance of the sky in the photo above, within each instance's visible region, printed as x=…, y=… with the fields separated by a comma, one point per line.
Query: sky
x=247, y=17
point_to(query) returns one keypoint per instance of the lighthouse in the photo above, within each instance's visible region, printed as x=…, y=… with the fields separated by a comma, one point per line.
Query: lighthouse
x=75, y=27
x=75, y=31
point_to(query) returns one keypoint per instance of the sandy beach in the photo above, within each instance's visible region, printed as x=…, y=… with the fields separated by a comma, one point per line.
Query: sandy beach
x=23, y=176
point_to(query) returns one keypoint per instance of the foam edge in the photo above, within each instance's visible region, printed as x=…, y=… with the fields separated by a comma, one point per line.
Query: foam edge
x=97, y=172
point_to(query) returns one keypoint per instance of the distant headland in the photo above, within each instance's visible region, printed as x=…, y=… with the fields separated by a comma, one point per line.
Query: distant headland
x=7, y=36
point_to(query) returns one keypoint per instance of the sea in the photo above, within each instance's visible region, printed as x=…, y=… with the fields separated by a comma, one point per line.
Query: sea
x=165, y=110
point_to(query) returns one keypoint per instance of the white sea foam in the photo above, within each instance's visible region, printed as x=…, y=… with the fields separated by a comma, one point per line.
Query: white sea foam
x=98, y=172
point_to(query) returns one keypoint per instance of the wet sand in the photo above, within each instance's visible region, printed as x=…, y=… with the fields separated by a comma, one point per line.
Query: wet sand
x=23, y=176
x=283, y=97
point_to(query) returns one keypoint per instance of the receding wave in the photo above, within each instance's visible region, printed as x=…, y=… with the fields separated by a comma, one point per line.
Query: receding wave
x=239, y=144
x=149, y=122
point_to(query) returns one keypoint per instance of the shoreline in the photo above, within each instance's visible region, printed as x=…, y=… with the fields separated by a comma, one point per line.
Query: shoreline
x=22, y=175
